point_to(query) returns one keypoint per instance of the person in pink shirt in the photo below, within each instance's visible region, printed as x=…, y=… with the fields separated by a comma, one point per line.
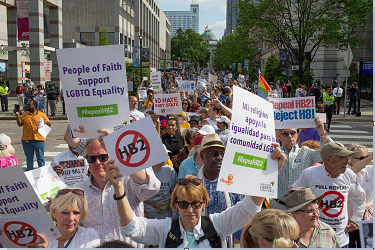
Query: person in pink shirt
x=7, y=157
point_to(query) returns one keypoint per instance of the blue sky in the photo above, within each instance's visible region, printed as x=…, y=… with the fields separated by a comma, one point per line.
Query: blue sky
x=211, y=13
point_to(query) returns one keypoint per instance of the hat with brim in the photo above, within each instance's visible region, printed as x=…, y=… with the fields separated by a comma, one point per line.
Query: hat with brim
x=297, y=198
x=206, y=129
x=210, y=140
x=333, y=148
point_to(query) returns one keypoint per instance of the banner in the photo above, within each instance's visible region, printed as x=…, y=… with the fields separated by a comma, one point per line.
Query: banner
x=135, y=57
x=283, y=59
x=135, y=147
x=145, y=57
x=23, y=20
x=156, y=81
x=167, y=104
x=130, y=83
x=297, y=112
x=247, y=167
x=161, y=64
x=175, y=64
x=94, y=88
x=22, y=214
x=187, y=86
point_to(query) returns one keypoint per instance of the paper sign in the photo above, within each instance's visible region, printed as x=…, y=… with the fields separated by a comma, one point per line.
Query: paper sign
x=156, y=81
x=212, y=78
x=247, y=167
x=95, y=91
x=135, y=147
x=201, y=84
x=142, y=94
x=45, y=182
x=74, y=172
x=167, y=104
x=187, y=86
x=297, y=112
x=178, y=78
x=21, y=209
x=43, y=129
x=322, y=116
x=145, y=78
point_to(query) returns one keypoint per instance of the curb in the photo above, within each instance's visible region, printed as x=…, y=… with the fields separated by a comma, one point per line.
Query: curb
x=4, y=118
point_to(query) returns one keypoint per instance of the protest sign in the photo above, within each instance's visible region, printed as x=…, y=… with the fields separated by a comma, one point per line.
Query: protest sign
x=95, y=87
x=167, y=104
x=45, y=182
x=366, y=229
x=43, y=129
x=135, y=147
x=142, y=94
x=322, y=116
x=247, y=167
x=178, y=78
x=212, y=78
x=21, y=212
x=156, y=81
x=204, y=98
x=201, y=84
x=298, y=112
x=187, y=86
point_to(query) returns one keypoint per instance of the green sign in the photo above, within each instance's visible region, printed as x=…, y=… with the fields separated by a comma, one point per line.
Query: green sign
x=51, y=193
x=97, y=111
x=250, y=161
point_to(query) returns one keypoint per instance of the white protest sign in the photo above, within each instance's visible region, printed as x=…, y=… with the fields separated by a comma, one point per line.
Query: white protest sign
x=74, y=172
x=95, y=88
x=145, y=78
x=178, y=78
x=43, y=129
x=322, y=116
x=45, y=182
x=187, y=86
x=142, y=94
x=201, y=84
x=167, y=104
x=135, y=147
x=212, y=78
x=156, y=81
x=297, y=112
x=21, y=212
x=247, y=167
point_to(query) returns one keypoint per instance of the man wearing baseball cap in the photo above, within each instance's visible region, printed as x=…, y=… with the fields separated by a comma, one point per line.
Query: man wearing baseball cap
x=304, y=207
x=223, y=124
x=336, y=183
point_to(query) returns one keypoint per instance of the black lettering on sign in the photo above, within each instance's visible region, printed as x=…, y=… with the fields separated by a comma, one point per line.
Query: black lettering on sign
x=143, y=147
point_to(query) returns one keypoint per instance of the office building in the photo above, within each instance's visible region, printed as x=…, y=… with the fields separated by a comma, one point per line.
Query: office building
x=184, y=19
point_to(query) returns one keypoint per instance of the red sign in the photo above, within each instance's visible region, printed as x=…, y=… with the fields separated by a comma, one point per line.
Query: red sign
x=337, y=202
x=20, y=233
x=48, y=66
x=137, y=146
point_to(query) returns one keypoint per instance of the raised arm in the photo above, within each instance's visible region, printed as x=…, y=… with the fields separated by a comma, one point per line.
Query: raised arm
x=361, y=164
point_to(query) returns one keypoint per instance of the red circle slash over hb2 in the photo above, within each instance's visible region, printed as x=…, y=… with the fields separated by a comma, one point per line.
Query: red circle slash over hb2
x=338, y=203
x=25, y=232
x=138, y=144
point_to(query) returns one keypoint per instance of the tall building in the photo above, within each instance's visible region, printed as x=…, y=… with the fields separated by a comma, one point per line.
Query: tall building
x=184, y=19
x=231, y=17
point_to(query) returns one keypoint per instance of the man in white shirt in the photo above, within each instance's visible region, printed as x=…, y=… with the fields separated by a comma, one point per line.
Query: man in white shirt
x=337, y=184
x=213, y=112
x=134, y=114
x=338, y=92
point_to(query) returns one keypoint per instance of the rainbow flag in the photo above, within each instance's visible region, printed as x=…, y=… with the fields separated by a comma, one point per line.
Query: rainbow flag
x=263, y=87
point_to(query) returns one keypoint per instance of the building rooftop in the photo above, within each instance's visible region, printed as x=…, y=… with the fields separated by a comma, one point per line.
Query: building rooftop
x=208, y=35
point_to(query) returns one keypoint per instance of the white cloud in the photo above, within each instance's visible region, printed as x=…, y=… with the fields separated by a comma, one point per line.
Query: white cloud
x=218, y=28
x=224, y=9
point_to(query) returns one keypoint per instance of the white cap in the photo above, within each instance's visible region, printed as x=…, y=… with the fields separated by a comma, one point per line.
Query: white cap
x=223, y=119
x=206, y=129
x=4, y=141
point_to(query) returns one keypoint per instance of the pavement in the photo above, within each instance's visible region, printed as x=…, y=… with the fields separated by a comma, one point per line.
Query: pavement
x=366, y=113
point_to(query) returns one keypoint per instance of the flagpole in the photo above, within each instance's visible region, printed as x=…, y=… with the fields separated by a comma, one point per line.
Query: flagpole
x=258, y=79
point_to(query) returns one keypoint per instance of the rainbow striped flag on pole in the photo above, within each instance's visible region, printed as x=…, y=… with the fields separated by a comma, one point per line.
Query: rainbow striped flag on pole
x=263, y=87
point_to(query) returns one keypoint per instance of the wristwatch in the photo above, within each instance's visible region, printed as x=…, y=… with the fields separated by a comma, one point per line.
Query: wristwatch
x=323, y=135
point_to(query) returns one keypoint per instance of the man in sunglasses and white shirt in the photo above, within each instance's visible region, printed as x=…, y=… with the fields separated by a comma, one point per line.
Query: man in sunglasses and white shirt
x=297, y=160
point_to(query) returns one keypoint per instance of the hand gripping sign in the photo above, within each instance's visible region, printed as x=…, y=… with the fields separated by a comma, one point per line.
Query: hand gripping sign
x=135, y=147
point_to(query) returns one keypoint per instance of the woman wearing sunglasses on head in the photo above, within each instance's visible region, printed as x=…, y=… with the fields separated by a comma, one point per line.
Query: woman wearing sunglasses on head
x=68, y=210
x=189, y=199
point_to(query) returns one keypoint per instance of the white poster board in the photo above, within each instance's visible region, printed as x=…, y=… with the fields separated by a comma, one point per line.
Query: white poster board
x=156, y=81
x=187, y=86
x=21, y=209
x=366, y=229
x=167, y=104
x=135, y=147
x=297, y=112
x=179, y=78
x=212, y=78
x=142, y=94
x=201, y=84
x=247, y=167
x=45, y=181
x=43, y=128
x=95, y=88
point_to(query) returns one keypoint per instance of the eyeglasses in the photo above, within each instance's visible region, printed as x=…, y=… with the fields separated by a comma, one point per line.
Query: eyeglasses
x=216, y=153
x=184, y=103
x=292, y=133
x=347, y=158
x=185, y=205
x=92, y=158
x=74, y=191
x=149, y=95
x=184, y=181
x=311, y=212
x=361, y=158
x=294, y=240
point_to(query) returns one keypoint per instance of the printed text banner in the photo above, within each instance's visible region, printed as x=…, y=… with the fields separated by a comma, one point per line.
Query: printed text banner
x=247, y=167
x=167, y=104
x=95, y=88
x=156, y=81
x=298, y=112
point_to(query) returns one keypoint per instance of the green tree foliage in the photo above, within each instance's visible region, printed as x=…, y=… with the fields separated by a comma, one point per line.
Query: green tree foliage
x=134, y=73
x=272, y=71
x=308, y=23
x=103, y=38
x=189, y=46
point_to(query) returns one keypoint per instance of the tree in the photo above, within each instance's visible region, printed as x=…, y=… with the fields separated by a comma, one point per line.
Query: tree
x=103, y=38
x=272, y=70
x=134, y=73
x=308, y=23
x=189, y=46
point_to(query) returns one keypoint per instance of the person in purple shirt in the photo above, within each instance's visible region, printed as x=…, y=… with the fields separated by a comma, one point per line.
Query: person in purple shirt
x=307, y=134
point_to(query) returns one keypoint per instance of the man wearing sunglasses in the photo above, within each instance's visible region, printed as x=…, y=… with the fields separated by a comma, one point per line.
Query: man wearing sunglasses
x=102, y=217
x=336, y=183
x=298, y=160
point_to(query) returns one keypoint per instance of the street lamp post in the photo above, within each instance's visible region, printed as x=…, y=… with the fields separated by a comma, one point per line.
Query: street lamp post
x=140, y=58
x=288, y=49
x=260, y=61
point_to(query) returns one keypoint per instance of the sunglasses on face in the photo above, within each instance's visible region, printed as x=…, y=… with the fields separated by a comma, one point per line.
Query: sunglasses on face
x=184, y=181
x=74, y=191
x=92, y=158
x=361, y=158
x=185, y=205
x=292, y=133
x=185, y=103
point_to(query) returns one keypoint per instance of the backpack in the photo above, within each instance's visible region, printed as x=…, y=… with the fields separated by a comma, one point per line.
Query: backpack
x=174, y=234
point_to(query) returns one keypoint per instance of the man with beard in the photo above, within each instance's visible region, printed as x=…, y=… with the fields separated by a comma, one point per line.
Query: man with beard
x=134, y=114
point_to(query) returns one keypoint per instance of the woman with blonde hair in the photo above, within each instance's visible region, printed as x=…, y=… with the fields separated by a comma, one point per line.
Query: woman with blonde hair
x=271, y=228
x=7, y=157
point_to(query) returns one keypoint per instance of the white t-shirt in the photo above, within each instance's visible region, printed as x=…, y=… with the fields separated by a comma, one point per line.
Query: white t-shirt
x=135, y=115
x=335, y=200
x=365, y=178
x=84, y=238
x=212, y=122
x=337, y=91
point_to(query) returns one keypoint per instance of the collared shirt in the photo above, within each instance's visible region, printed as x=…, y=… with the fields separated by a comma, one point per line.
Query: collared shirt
x=103, y=216
x=30, y=125
x=323, y=237
x=155, y=232
x=173, y=143
x=188, y=166
x=308, y=134
x=337, y=91
x=297, y=160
